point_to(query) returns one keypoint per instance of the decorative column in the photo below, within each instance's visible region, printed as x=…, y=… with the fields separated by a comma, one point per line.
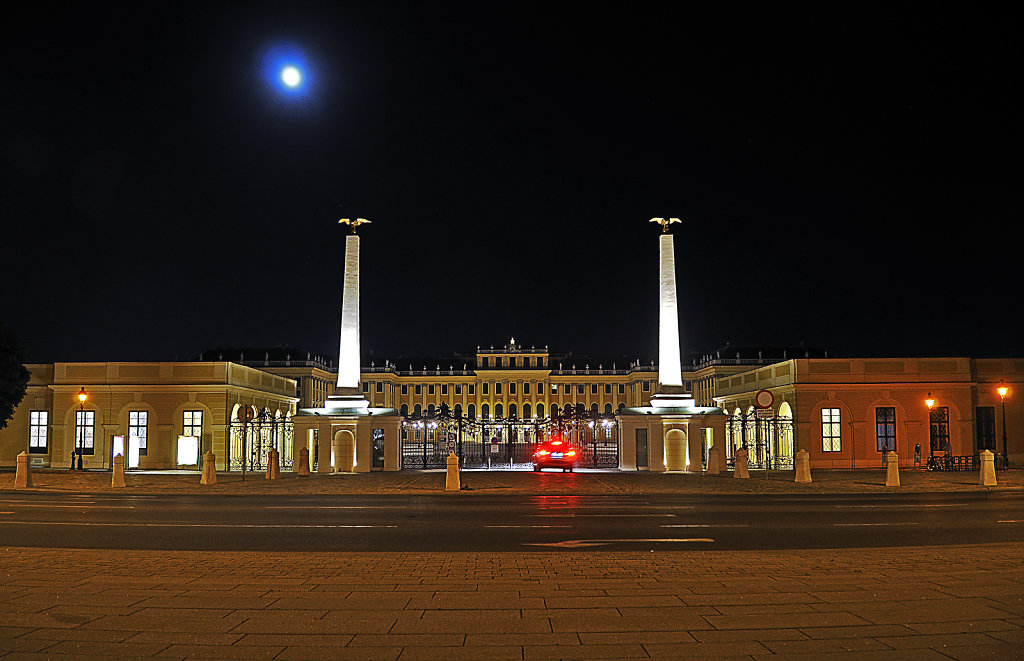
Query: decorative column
x=670, y=392
x=348, y=394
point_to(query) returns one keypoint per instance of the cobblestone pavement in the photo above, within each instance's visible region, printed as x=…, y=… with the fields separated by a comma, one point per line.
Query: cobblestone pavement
x=910, y=603
x=518, y=482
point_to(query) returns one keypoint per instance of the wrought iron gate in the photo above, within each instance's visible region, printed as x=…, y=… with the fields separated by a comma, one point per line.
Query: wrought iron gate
x=505, y=443
x=769, y=441
x=250, y=442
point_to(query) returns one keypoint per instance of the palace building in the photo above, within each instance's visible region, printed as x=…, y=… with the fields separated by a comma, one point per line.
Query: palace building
x=493, y=406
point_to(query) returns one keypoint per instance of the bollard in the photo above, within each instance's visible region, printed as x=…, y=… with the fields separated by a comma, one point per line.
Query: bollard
x=303, y=468
x=117, y=476
x=892, y=469
x=713, y=468
x=273, y=465
x=452, y=482
x=741, y=464
x=987, y=478
x=209, y=469
x=23, y=476
x=803, y=466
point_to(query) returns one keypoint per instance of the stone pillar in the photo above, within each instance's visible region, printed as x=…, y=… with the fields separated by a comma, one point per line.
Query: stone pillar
x=892, y=469
x=693, y=452
x=303, y=468
x=273, y=465
x=988, y=469
x=669, y=366
x=348, y=348
x=741, y=464
x=23, y=476
x=117, y=476
x=714, y=467
x=452, y=481
x=803, y=466
x=209, y=469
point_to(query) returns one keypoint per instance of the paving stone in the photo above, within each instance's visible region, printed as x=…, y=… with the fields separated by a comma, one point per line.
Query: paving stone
x=221, y=651
x=414, y=640
x=584, y=652
x=691, y=650
x=823, y=645
x=325, y=653
x=463, y=653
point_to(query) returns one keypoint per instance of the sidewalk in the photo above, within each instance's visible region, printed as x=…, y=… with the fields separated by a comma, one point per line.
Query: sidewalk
x=516, y=482
x=906, y=603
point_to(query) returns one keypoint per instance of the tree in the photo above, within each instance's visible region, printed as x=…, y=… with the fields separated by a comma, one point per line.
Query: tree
x=13, y=375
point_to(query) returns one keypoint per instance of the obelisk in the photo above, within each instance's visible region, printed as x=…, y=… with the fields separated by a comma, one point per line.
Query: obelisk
x=670, y=392
x=347, y=393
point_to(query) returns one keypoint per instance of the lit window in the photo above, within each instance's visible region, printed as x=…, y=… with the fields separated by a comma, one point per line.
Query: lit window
x=38, y=432
x=830, y=430
x=85, y=428
x=885, y=428
x=192, y=424
x=938, y=422
x=138, y=427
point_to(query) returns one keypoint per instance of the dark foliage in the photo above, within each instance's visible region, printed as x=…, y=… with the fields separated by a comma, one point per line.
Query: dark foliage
x=13, y=375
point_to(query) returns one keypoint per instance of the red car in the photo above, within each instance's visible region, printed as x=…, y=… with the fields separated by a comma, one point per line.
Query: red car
x=556, y=454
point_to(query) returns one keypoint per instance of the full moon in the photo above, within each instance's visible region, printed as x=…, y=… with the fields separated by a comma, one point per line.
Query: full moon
x=290, y=76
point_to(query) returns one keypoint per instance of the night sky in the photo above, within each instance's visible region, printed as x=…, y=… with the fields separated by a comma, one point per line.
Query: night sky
x=844, y=179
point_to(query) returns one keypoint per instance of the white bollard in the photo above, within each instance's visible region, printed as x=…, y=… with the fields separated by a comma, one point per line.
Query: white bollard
x=741, y=464
x=23, y=476
x=117, y=476
x=303, y=468
x=803, y=466
x=987, y=478
x=273, y=465
x=209, y=469
x=892, y=469
x=452, y=481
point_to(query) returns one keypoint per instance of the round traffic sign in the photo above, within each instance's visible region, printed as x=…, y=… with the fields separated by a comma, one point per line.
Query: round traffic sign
x=764, y=399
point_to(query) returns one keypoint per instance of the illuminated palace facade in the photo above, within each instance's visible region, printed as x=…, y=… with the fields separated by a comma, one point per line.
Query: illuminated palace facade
x=844, y=411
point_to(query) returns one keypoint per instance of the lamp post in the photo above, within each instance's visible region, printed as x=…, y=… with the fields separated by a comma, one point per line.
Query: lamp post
x=930, y=403
x=1003, y=390
x=80, y=429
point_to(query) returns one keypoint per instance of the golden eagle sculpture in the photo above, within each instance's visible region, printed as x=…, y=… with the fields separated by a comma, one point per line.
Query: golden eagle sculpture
x=665, y=222
x=354, y=223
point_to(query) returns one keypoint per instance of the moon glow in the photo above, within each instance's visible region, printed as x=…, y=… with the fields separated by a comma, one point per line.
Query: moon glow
x=291, y=76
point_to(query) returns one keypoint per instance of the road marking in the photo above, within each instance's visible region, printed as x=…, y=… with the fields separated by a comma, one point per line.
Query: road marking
x=527, y=526
x=577, y=515
x=188, y=525
x=581, y=543
x=89, y=505
x=330, y=507
x=886, y=507
x=1004, y=521
x=706, y=525
x=911, y=523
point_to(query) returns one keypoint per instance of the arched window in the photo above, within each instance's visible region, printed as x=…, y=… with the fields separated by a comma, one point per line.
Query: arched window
x=458, y=410
x=485, y=411
x=540, y=410
x=512, y=411
x=430, y=410
x=607, y=409
x=593, y=408
x=416, y=411
x=622, y=405
x=405, y=409
x=498, y=410
x=526, y=411
x=472, y=411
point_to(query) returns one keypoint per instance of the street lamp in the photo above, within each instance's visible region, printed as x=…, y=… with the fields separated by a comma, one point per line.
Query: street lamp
x=80, y=431
x=930, y=403
x=1003, y=390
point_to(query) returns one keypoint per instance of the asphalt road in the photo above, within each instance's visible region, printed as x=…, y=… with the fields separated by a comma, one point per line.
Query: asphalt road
x=460, y=522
